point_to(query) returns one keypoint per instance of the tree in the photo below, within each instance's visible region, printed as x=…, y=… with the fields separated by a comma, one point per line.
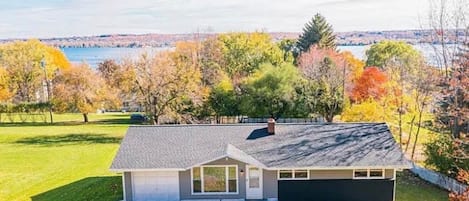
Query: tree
x=326, y=71
x=368, y=110
x=317, y=32
x=5, y=93
x=355, y=68
x=290, y=51
x=78, y=89
x=386, y=51
x=270, y=91
x=399, y=61
x=223, y=99
x=422, y=95
x=369, y=85
x=211, y=61
x=454, y=103
x=244, y=52
x=22, y=61
x=463, y=177
x=164, y=83
x=119, y=82
x=448, y=23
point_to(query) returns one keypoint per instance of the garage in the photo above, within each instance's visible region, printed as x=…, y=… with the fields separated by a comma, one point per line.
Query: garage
x=336, y=190
x=158, y=185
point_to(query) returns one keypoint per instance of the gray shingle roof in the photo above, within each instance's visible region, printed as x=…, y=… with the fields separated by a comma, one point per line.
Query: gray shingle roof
x=293, y=145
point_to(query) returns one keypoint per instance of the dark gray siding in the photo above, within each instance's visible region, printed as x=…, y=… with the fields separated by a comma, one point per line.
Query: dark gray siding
x=127, y=186
x=185, y=182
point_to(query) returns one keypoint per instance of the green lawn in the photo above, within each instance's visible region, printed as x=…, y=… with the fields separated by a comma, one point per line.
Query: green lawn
x=69, y=161
x=65, y=161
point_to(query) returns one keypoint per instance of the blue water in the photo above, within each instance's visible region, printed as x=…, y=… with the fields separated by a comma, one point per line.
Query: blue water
x=94, y=56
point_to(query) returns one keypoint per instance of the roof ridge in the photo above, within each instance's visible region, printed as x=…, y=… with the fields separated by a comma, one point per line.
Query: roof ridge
x=254, y=124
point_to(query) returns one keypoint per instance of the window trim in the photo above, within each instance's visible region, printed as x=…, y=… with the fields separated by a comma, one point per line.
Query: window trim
x=226, y=182
x=368, y=176
x=293, y=174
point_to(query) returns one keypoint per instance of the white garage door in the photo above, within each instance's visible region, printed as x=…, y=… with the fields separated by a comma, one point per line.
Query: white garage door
x=149, y=186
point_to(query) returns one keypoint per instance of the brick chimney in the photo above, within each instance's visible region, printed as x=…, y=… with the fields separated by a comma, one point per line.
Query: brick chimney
x=271, y=126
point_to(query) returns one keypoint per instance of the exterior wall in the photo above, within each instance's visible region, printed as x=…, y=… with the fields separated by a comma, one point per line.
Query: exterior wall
x=331, y=174
x=185, y=182
x=270, y=183
x=127, y=186
x=342, y=174
x=389, y=173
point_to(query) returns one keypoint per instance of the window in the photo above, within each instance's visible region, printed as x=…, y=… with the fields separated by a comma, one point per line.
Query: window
x=285, y=174
x=377, y=173
x=232, y=180
x=301, y=174
x=360, y=174
x=368, y=174
x=293, y=174
x=196, y=180
x=215, y=179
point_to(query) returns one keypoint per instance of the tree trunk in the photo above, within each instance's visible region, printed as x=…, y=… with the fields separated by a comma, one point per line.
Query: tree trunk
x=410, y=134
x=155, y=120
x=85, y=117
x=416, y=135
x=456, y=128
x=50, y=114
x=400, y=126
x=329, y=118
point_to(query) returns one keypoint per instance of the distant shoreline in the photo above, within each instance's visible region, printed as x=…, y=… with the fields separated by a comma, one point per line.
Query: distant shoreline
x=355, y=38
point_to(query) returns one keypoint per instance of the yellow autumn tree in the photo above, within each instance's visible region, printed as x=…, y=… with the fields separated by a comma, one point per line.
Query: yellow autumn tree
x=27, y=63
x=78, y=89
x=369, y=110
x=5, y=93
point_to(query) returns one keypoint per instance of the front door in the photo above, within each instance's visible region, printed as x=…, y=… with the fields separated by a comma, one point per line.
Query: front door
x=253, y=182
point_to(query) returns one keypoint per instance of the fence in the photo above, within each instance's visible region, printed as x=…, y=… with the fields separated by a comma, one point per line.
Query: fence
x=438, y=179
x=241, y=119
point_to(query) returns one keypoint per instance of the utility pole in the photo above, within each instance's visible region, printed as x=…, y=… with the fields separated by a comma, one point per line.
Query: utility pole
x=43, y=66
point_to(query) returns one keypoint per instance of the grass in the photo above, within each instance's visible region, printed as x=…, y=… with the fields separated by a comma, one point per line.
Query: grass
x=425, y=136
x=410, y=187
x=65, y=161
x=69, y=160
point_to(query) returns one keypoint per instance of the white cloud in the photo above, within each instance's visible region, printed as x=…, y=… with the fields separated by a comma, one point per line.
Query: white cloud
x=48, y=18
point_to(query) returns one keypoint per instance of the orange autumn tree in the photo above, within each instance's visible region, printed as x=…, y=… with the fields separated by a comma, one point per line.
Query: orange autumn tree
x=369, y=85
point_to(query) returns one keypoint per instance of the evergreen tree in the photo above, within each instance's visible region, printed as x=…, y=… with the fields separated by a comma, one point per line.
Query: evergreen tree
x=318, y=32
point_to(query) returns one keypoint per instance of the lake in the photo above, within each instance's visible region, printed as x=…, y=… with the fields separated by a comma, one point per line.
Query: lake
x=94, y=56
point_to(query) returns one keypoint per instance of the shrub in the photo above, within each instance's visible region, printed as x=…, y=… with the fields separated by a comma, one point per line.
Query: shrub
x=441, y=155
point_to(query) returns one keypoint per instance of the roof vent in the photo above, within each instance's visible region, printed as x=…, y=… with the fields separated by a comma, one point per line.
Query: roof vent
x=271, y=126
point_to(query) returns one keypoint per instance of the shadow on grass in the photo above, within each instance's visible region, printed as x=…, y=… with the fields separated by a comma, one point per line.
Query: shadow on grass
x=70, y=139
x=90, y=188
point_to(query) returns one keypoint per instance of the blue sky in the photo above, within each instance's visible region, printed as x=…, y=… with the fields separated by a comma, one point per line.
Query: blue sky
x=57, y=18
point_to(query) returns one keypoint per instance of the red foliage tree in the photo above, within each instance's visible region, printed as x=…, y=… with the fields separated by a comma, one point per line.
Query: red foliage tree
x=369, y=85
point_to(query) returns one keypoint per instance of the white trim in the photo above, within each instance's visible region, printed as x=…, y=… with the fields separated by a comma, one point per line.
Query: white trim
x=123, y=185
x=261, y=183
x=394, y=186
x=368, y=176
x=226, y=182
x=147, y=170
x=400, y=168
x=205, y=162
x=341, y=167
x=293, y=174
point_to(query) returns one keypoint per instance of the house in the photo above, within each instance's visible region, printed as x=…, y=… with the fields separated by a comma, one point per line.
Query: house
x=286, y=162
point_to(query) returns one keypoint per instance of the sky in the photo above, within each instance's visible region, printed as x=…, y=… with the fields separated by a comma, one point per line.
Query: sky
x=62, y=18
